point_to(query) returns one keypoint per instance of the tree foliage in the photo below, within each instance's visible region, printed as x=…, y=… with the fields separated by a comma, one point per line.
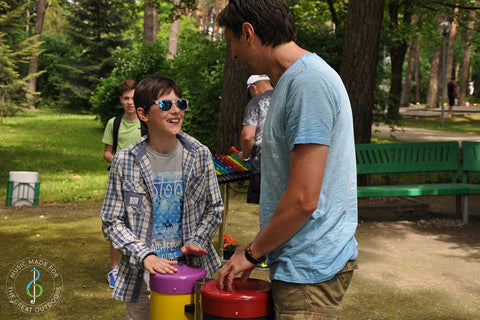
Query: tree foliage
x=16, y=50
x=91, y=46
x=129, y=63
x=198, y=68
x=97, y=27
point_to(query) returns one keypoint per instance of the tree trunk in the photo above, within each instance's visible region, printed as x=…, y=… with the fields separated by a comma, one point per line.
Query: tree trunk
x=333, y=13
x=359, y=61
x=150, y=22
x=174, y=31
x=463, y=84
x=201, y=15
x=41, y=7
x=451, y=41
x=398, y=50
x=232, y=105
x=405, y=99
x=2, y=103
x=435, y=76
x=418, y=78
x=219, y=5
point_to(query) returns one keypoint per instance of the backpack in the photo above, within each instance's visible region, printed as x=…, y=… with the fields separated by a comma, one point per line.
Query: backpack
x=116, y=127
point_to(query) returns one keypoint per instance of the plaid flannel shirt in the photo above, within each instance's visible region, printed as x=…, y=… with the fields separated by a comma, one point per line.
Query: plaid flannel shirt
x=127, y=211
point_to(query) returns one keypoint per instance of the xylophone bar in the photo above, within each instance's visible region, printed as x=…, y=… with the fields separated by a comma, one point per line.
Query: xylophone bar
x=233, y=177
x=230, y=169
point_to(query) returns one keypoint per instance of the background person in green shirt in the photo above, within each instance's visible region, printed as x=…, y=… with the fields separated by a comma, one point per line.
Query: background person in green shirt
x=128, y=132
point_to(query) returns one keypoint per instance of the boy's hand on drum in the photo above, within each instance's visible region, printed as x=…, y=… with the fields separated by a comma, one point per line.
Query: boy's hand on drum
x=154, y=264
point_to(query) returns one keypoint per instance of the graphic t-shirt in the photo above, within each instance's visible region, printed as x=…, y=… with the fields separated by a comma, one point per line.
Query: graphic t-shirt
x=255, y=113
x=167, y=202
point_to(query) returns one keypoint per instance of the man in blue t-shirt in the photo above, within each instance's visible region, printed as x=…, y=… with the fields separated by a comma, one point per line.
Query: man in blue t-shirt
x=308, y=207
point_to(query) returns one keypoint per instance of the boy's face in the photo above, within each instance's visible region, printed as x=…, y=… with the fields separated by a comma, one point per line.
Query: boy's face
x=165, y=122
x=126, y=99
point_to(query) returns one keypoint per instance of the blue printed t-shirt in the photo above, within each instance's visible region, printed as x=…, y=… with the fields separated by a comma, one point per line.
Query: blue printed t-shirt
x=167, y=202
x=311, y=106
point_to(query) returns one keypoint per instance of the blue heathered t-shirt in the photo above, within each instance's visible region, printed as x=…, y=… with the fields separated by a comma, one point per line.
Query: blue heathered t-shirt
x=311, y=106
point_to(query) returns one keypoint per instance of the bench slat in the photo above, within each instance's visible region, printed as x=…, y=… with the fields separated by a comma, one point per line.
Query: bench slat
x=407, y=157
x=420, y=157
x=414, y=190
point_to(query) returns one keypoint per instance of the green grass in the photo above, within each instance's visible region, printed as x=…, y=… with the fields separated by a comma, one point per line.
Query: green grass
x=65, y=149
x=468, y=123
x=72, y=241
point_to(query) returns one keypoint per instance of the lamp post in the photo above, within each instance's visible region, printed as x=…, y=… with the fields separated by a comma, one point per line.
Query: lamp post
x=445, y=27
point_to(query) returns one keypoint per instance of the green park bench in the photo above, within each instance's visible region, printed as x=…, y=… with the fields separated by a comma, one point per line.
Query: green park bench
x=416, y=158
x=470, y=164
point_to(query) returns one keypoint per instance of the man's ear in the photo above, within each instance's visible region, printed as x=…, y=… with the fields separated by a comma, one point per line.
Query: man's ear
x=248, y=32
x=254, y=89
x=142, y=115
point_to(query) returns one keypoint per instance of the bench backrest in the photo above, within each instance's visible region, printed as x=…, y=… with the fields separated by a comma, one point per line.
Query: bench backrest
x=407, y=157
x=471, y=158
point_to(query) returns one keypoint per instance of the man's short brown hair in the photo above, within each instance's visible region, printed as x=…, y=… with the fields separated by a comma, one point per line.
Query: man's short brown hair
x=272, y=20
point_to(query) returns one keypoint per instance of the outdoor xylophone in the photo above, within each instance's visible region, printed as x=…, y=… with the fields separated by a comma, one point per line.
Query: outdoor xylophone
x=228, y=169
x=231, y=169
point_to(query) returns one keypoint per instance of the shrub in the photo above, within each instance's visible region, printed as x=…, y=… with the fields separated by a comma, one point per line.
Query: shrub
x=130, y=63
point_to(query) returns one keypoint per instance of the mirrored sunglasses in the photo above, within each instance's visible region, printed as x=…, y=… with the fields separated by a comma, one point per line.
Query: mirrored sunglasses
x=166, y=105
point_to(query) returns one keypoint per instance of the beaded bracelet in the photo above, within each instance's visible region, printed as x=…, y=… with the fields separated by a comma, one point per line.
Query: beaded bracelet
x=250, y=257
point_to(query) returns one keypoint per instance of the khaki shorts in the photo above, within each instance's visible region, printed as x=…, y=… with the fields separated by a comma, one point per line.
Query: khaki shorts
x=139, y=310
x=319, y=301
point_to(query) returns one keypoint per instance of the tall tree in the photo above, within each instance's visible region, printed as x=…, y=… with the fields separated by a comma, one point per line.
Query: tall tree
x=206, y=15
x=150, y=21
x=436, y=69
x=97, y=27
x=398, y=49
x=433, y=95
x=463, y=84
x=174, y=30
x=41, y=7
x=232, y=104
x=418, y=78
x=405, y=98
x=450, y=50
x=412, y=64
x=16, y=50
x=359, y=61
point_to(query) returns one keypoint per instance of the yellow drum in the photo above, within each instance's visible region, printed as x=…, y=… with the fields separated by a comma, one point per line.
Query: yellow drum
x=172, y=296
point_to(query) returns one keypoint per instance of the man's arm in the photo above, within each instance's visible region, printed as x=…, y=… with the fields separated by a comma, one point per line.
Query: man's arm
x=247, y=140
x=307, y=168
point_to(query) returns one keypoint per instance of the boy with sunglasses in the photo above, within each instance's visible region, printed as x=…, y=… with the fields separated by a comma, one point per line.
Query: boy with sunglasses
x=162, y=203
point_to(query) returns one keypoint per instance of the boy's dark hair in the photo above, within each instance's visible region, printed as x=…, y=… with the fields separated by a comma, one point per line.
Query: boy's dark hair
x=150, y=88
x=127, y=85
x=271, y=20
